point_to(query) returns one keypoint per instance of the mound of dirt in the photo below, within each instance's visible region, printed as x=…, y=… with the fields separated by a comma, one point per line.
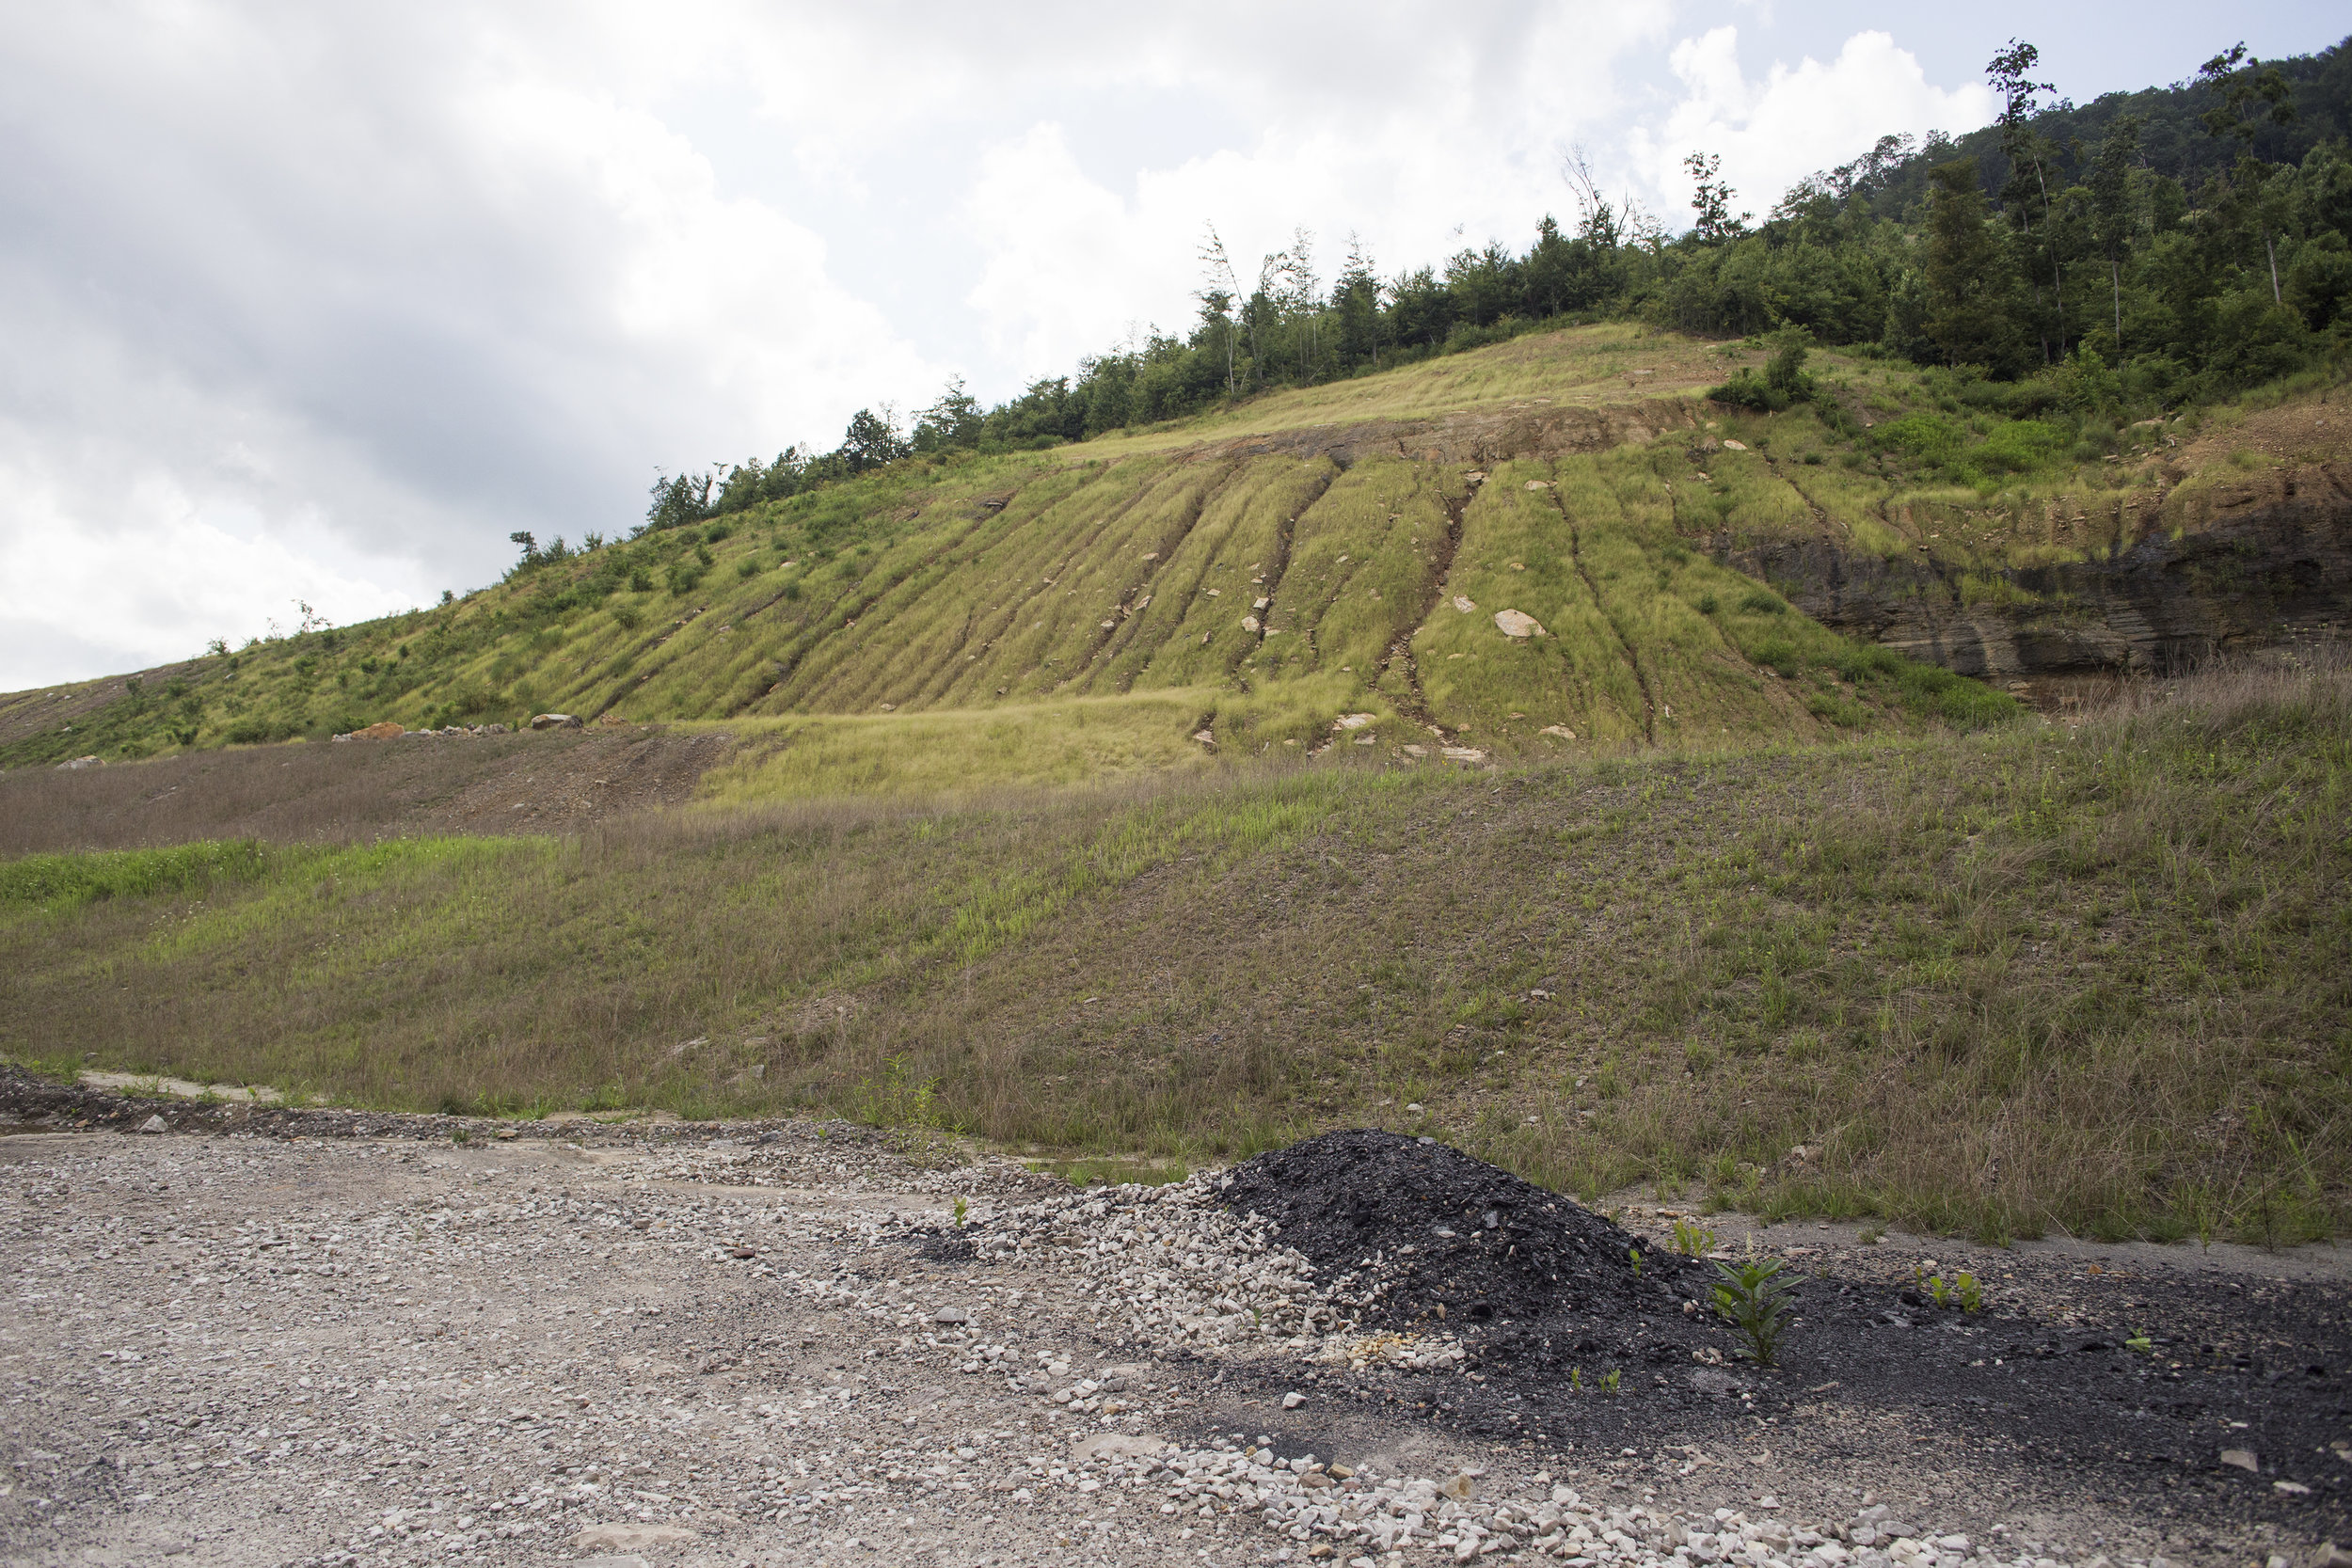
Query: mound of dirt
x=1403, y=1230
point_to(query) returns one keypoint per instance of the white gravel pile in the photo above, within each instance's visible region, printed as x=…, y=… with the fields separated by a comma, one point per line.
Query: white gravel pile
x=1360, y=1517
x=1168, y=1263
x=833, y=1156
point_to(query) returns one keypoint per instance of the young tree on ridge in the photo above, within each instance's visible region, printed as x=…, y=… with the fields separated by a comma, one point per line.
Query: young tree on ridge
x=1712, y=201
x=1217, y=292
x=872, y=440
x=1357, y=300
x=1595, y=220
x=954, y=420
x=2024, y=146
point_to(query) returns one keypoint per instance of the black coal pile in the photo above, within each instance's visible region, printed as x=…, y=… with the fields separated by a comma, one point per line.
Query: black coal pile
x=1408, y=1232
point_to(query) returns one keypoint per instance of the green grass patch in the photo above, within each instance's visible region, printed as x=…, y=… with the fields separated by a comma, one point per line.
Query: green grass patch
x=58, y=882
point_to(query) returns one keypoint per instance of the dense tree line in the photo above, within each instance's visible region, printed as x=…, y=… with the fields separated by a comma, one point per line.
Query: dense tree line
x=2142, y=250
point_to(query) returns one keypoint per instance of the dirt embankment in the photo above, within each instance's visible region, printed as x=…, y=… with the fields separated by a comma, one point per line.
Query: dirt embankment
x=359, y=789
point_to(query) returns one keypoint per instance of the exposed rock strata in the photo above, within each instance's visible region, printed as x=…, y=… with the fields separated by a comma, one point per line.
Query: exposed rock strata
x=2239, y=568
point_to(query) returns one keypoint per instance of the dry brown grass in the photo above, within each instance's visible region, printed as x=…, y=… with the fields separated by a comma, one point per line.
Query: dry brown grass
x=2088, y=979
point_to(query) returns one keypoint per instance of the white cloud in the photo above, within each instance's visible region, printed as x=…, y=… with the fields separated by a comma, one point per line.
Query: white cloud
x=368, y=296
x=1796, y=119
x=1460, y=144
x=155, y=591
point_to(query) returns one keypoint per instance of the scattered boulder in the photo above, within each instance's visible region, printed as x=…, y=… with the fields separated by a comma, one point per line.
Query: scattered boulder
x=80, y=763
x=154, y=1124
x=1465, y=606
x=610, y=721
x=1113, y=1445
x=1249, y=622
x=1539, y=484
x=1560, y=729
x=624, y=1537
x=2242, y=1459
x=1462, y=754
x=1711, y=1380
x=1734, y=445
x=1206, y=737
x=554, y=721
x=1351, y=720
x=1517, y=625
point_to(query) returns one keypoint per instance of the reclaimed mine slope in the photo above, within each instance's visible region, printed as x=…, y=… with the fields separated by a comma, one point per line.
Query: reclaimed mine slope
x=1551, y=545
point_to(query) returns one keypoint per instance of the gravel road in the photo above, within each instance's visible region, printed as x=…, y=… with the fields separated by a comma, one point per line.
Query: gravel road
x=792, y=1344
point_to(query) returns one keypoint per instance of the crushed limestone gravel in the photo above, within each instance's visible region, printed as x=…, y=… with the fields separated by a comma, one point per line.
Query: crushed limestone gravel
x=380, y=1350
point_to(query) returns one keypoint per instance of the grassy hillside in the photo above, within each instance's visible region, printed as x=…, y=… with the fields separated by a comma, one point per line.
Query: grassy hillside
x=1254, y=576
x=2026, y=978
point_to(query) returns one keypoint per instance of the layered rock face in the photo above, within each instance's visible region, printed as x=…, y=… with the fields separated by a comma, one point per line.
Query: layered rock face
x=2238, y=567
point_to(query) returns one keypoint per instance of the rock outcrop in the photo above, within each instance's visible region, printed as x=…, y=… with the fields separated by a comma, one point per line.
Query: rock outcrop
x=2256, y=564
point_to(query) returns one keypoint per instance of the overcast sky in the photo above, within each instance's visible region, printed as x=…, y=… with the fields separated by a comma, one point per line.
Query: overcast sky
x=320, y=303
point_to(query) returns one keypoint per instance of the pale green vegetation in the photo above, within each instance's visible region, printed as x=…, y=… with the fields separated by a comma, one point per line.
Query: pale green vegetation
x=951, y=750
x=1591, y=366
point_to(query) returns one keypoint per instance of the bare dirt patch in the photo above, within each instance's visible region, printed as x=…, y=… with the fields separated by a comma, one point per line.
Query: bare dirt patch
x=359, y=789
x=2311, y=431
x=1533, y=427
